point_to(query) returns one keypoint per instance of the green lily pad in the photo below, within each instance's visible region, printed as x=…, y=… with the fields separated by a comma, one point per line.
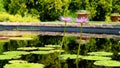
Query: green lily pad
x=57, y=51
x=55, y=46
x=70, y=56
x=20, y=38
x=27, y=48
x=6, y=57
x=24, y=65
x=45, y=48
x=41, y=52
x=109, y=63
x=16, y=53
x=96, y=58
x=100, y=53
x=17, y=61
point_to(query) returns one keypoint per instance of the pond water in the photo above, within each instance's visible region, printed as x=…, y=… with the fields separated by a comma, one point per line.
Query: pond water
x=44, y=51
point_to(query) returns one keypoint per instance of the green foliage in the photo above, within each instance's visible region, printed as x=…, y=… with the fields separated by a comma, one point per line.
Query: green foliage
x=116, y=6
x=70, y=43
x=46, y=40
x=2, y=45
x=35, y=42
x=2, y=9
x=45, y=9
x=55, y=9
x=51, y=9
x=16, y=18
x=100, y=10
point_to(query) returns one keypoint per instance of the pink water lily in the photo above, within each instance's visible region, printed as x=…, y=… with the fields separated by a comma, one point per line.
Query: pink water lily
x=65, y=19
x=82, y=20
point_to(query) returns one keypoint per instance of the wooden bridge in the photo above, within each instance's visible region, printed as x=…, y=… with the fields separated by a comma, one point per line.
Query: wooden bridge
x=54, y=29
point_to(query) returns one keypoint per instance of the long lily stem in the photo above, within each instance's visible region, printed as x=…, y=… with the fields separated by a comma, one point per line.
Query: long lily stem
x=63, y=39
x=78, y=52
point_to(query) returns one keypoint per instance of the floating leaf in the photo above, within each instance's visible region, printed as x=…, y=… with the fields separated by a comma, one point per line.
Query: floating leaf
x=45, y=48
x=70, y=56
x=100, y=53
x=110, y=63
x=52, y=45
x=95, y=58
x=6, y=57
x=41, y=52
x=16, y=53
x=24, y=65
x=17, y=61
x=27, y=48
x=57, y=51
x=20, y=38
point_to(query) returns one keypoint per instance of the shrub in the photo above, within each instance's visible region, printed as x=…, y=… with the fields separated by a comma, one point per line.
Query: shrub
x=45, y=9
x=5, y=17
x=2, y=9
x=51, y=9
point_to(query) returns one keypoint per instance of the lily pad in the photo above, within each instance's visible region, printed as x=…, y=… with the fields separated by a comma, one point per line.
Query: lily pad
x=45, y=48
x=100, y=53
x=6, y=57
x=24, y=65
x=55, y=46
x=27, y=48
x=70, y=56
x=109, y=63
x=20, y=38
x=41, y=52
x=57, y=51
x=17, y=61
x=96, y=58
x=16, y=53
